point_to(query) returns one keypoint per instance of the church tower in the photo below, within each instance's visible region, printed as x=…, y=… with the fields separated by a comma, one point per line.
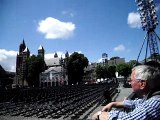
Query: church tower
x=22, y=46
x=66, y=55
x=41, y=51
x=21, y=70
x=55, y=55
x=19, y=60
x=26, y=53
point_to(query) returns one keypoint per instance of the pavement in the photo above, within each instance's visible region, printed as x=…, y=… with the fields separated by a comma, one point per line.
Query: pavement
x=123, y=93
x=119, y=96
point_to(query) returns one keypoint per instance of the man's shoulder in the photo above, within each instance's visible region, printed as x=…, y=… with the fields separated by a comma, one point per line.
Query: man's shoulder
x=154, y=100
x=155, y=97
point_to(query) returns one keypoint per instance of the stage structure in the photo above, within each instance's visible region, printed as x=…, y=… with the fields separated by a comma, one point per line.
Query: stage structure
x=149, y=22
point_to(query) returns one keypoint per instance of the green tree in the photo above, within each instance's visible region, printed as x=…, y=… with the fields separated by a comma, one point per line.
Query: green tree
x=2, y=72
x=158, y=57
x=6, y=78
x=75, y=67
x=111, y=71
x=35, y=65
x=105, y=71
x=123, y=69
x=131, y=64
x=99, y=71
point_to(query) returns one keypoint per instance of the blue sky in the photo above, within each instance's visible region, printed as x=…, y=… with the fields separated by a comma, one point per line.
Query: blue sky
x=91, y=27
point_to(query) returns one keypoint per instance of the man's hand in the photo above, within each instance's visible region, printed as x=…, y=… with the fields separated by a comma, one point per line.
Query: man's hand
x=108, y=107
x=95, y=116
x=102, y=116
x=111, y=105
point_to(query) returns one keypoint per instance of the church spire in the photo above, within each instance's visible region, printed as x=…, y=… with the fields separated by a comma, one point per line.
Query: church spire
x=22, y=46
x=55, y=55
x=41, y=51
x=66, y=55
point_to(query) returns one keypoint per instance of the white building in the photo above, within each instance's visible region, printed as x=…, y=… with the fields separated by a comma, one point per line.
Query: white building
x=54, y=75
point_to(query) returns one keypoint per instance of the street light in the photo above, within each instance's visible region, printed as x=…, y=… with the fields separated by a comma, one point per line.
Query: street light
x=149, y=22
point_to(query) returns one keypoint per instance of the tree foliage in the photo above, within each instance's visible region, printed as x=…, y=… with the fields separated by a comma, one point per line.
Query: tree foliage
x=102, y=71
x=6, y=78
x=35, y=65
x=112, y=71
x=131, y=64
x=2, y=72
x=75, y=67
x=123, y=69
x=105, y=71
x=99, y=71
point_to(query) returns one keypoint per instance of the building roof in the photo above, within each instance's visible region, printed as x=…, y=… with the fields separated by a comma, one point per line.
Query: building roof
x=26, y=49
x=53, y=62
x=40, y=48
x=56, y=69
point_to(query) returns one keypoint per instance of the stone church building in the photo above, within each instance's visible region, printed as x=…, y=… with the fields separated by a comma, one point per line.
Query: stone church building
x=55, y=75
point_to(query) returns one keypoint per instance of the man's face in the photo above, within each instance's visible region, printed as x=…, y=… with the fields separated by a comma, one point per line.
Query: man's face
x=136, y=84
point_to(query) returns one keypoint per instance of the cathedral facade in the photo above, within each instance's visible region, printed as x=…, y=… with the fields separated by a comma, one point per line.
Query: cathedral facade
x=54, y=75
x=23, y=54
x=21, y=66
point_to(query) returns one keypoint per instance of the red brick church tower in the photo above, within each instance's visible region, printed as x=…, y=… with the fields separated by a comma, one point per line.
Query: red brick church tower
x=23, y=54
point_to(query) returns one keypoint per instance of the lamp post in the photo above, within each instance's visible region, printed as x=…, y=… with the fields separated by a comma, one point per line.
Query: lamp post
x=149, y=22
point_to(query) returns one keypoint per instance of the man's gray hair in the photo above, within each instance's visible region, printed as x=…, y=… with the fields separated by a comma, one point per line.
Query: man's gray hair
x=151, y=74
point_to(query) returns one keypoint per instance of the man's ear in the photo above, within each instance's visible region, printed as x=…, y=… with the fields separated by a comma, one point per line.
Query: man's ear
x=143, y=84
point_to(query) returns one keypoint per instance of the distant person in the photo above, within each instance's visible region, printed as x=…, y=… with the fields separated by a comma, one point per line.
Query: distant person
x=145, y=82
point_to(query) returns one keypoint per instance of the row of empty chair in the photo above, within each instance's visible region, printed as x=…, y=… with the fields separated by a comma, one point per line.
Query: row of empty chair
x=57, y=102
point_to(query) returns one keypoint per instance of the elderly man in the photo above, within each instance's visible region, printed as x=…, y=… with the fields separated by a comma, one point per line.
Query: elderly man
x=145, y=82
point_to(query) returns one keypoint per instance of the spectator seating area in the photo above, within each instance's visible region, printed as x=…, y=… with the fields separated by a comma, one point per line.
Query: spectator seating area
x=56, y=102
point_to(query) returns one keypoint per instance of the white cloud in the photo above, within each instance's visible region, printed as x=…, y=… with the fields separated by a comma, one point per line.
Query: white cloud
x=134, y=20
x=100, y=60
x=51, y=55
x=68, y=13
x=120, y=48
x=8, y=59
x=56, y=29
x=80, y=52
x=59, y=53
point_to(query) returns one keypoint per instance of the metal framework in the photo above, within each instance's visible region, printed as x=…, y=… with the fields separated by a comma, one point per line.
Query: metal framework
x=149, y=21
